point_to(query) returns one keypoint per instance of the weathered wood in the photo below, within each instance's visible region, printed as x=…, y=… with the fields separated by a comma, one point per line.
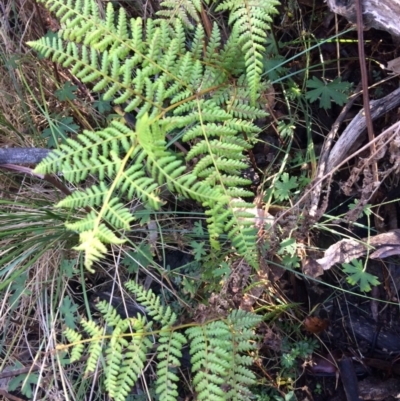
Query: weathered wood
x=358, y=125
x=378, y=14
x=22, y=155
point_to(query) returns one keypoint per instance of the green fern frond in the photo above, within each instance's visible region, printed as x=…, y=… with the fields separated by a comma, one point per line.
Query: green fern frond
x=220, y=351
x=95, y=347
x=186, y=11
x=220, y=148
x=169, y=355
x=114, y=357
x=217, y=349
x=212, y=53
x=165, y=167
x=241, y=229
x=152, y=303
x=92, y=244
x=229, y=165
x=173, y=81
x=211, y=359
x=78, y=348
x=252, y=20
x=110, y=314
x=134, y=358
x=92, y=153
x=240, y=377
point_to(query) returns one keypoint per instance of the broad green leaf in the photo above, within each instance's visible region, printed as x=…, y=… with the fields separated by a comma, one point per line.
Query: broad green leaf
x=327, y=92
x=284, y=186
x=358, y=275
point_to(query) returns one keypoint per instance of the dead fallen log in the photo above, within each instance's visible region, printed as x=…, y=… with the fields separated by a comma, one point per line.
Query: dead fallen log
x=378, y=14
x=22, y=155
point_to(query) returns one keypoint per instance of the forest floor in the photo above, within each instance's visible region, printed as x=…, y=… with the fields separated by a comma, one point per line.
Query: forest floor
x=326, y=335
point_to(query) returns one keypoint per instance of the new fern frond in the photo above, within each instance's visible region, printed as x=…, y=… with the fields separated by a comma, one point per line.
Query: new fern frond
x=179, y=83
x=221, y=350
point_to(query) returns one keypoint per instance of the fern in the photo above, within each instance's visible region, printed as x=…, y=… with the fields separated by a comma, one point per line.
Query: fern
x=252, y=19
x=218, y=350
x=177, y=84
x=221, y=370
x=184, y=10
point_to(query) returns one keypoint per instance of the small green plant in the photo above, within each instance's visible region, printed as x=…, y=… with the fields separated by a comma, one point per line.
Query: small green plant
x=24, y=382
x=66, y=92
x=284, y=186
x=288, y=251
x=327, y=92
x=294, y=350
x=318, y=389
x=357, y=275
x=60, y=127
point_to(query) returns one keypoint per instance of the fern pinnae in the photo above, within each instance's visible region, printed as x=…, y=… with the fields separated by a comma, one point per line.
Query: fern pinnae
x=114, y=356
x=252, y=20
x=240, y=377
x=96, y=344
x=110, y=314
x=170, y=342
x=134, y=358
x=220, y=351
x=210, y=359
x=168, y=354
x=180, y=11
x=78, y=347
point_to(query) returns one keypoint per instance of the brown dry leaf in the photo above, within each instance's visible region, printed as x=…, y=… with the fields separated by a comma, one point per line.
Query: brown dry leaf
x=256, y=288
x=314, y=324
x=268, y=96
x=343, y=251
x=384, y=245
x=312, y=268
x=272, y=340
x=394, y=65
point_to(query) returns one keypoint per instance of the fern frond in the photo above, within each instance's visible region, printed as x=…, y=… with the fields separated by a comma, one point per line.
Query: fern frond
x=211, y=359
x=114, y=357
x=220, y=351
x=110, y=314
x=222, y=164
x=92, y=153
x=183, y=81
x=186, y=11
x=78, y=348
x=92, y=244
x=165, y=167
x=242, y=231
x=217, y=356
x=252, y=20
x=212, y=53
x=95, y=346
x=168, y=354
x=152, y=303
x=134, y=358
x=240, y=378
